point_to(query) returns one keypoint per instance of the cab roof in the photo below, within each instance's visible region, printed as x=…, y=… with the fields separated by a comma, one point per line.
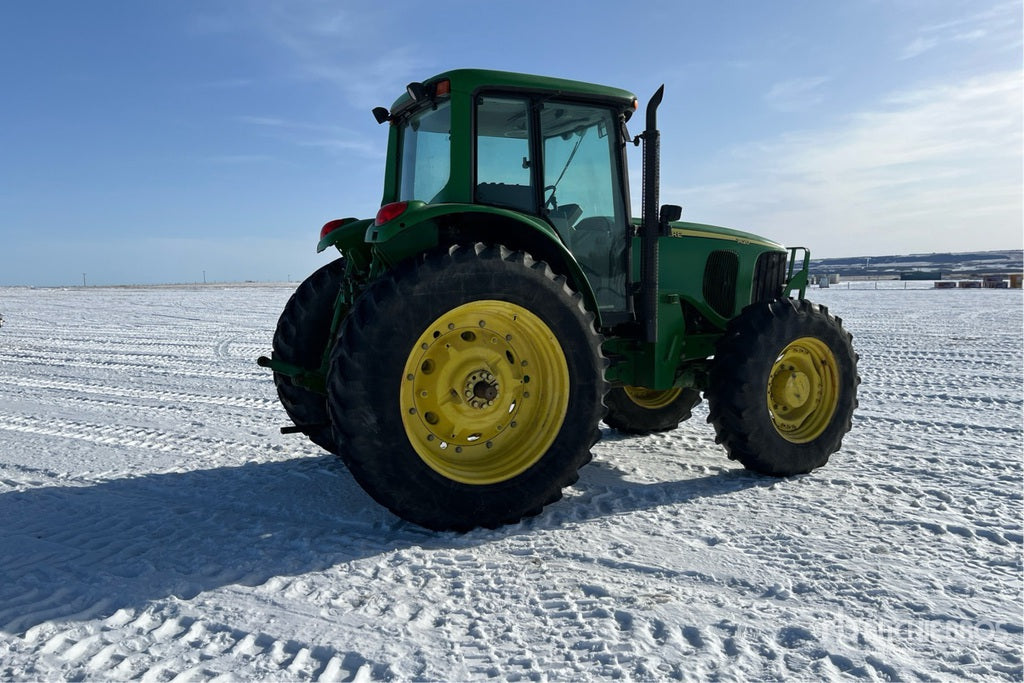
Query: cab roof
x=473, y=80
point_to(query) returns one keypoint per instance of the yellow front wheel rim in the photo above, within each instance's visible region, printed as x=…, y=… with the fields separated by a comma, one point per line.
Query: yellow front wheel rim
x=803, y=390
x=652, y=399
x=484, y=392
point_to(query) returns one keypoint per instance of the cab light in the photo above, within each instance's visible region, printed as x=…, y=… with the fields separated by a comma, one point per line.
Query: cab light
x=443, y=88
x=390, y=212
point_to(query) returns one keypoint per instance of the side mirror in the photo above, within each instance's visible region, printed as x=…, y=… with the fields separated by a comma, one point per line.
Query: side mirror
x=416, y=91
x=669, y=213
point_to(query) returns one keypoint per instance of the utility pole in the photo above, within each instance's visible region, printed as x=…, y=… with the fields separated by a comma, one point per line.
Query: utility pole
x=83, y=279
x=204, y=277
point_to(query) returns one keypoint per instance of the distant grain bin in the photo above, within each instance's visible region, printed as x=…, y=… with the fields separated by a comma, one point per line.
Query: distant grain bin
x=823, y=281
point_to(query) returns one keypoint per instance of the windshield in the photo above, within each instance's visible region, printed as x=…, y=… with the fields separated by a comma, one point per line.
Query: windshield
x=425, y=152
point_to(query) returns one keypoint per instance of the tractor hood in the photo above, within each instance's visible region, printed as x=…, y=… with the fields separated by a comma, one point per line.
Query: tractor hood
x=715, y=232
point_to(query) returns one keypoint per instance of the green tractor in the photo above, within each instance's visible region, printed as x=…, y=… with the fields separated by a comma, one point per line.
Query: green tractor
x=461, y=352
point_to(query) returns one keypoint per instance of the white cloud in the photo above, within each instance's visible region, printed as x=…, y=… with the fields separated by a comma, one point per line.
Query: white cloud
x=797, y=94
x=997, y=25
x=329, y=137
x=933, y=169
x=343, y=47
x=344, y=44
x=918, y=47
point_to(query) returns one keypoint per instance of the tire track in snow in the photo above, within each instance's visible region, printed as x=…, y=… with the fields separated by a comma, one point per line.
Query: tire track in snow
x=162, y=643
x=122, y=436
x=136, y=369
x=158, y=396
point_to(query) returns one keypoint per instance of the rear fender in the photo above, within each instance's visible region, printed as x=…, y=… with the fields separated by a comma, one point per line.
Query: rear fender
x=424, y=226
x=345, y=234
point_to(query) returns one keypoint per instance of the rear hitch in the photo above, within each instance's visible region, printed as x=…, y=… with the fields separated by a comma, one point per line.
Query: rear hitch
x=303, y=429
x=307, y=379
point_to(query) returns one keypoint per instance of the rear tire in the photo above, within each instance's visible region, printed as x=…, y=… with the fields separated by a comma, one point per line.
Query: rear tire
x=466, y=388
x=634, y=410
x=783, y=387
x=303, y=332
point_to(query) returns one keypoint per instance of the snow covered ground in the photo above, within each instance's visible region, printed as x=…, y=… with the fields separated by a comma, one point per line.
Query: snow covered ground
x=154, y=524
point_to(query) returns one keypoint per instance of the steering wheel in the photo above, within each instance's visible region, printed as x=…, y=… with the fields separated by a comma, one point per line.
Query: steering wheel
x=550, y=203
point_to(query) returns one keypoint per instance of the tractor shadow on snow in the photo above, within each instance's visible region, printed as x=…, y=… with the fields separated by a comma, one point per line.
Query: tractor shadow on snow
x=72, y=553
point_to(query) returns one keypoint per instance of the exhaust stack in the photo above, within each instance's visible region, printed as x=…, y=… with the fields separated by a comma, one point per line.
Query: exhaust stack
x=651, y=225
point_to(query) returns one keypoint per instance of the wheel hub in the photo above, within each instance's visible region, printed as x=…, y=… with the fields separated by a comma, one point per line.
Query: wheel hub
x=484, y=392
x=652, y=399
x=803, y=390
x=481, y=389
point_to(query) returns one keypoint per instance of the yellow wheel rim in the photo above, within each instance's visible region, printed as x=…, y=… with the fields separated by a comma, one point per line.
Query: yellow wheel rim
x=484, y=392
x=652, y=399
x=803, y=390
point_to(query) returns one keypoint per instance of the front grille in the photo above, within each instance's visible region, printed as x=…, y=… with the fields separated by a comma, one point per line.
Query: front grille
x=720, y=282
x=769, y=276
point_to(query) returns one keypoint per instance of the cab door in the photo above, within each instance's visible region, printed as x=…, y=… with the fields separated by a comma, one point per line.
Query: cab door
x=583, y=194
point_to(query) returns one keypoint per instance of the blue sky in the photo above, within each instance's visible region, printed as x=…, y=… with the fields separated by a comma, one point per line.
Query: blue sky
x=146, y=142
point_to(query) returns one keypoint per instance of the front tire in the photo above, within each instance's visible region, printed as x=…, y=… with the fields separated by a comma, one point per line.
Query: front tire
x=466, y=388
x=635, y=410
x=783, y=387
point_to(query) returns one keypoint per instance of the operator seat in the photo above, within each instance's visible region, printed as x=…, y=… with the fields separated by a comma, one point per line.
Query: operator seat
x=594, y=246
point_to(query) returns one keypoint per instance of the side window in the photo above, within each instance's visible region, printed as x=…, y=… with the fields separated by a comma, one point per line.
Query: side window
x=580, y=161
x=584, y=197
x=503, y=166
x=426, y=156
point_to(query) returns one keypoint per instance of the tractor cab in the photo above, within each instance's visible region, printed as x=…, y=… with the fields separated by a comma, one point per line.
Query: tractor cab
x=548, y=152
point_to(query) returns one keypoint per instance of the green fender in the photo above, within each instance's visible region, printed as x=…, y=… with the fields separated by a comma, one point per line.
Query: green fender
x=418, y=229
x=346, y=234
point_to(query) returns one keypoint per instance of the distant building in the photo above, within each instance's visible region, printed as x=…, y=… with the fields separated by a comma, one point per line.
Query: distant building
x=994, y=282
x=921, y=275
